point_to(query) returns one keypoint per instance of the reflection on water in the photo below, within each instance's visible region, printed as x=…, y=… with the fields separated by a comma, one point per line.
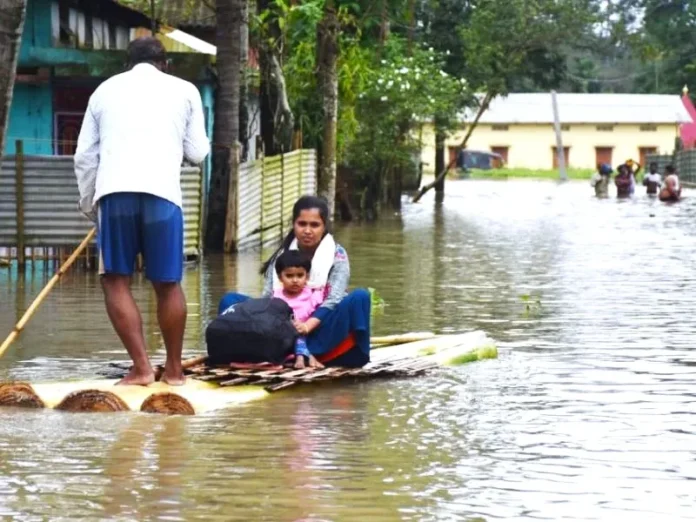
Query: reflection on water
x=589, y=414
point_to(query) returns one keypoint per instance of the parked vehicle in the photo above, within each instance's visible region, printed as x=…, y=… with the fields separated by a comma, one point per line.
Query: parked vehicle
x=478, y=159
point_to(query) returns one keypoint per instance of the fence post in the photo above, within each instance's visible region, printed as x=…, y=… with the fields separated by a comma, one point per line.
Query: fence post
x=232, y=208
x=263, y=198
x=282, y=196
x=300, y=180
x=19, y=195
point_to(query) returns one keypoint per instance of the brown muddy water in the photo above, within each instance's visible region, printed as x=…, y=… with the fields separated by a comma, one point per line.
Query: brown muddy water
x=588, y=414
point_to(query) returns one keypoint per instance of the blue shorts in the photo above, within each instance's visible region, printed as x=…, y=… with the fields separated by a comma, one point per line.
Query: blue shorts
x=132, y=223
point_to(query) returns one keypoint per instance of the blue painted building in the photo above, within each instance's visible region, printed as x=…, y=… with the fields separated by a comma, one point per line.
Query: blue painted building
x=68, y=48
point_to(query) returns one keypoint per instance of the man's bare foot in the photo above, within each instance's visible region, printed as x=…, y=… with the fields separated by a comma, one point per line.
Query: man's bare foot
x=313, y=363
x=173, y=379
x=138, y=378
x=299, y=362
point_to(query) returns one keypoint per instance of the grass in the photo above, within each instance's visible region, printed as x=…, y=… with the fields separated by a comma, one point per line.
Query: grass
x=529, y=174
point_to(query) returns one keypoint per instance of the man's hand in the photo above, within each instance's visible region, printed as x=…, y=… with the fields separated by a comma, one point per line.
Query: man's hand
x=92, y=215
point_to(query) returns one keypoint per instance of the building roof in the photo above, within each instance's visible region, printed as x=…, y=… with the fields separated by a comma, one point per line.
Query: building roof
x=183, y=14
x=585, y=108
x=688, y=130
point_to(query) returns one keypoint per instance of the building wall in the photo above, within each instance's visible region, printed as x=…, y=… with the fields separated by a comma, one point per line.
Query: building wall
x=532, y=146
x=37, y=27
x=31, y=119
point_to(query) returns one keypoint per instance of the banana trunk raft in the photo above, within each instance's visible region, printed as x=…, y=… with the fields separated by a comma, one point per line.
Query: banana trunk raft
x=214, y=388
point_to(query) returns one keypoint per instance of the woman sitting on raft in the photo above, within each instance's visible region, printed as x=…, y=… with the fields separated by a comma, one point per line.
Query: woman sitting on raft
x=338, y=332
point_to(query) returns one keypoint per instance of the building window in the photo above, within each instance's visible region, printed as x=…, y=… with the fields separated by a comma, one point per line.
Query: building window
x=66, y=35
x=648, y=128
x=605, y=128
x=554, y=153
x=89, y=32
x=503, y=152
x=500, y=127
x=603, y=155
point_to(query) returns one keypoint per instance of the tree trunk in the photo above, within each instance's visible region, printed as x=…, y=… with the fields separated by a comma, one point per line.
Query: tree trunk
x=244, y=84
x=277, y=120
x=327, y=81
x=11, y=24
x=440, y=165
x=226, y=131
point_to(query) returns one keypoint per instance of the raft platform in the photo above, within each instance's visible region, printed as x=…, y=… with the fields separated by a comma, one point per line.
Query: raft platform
x=210, y=388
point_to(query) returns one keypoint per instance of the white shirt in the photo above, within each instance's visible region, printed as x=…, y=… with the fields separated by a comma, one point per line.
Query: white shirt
x=654, y=178
x=138, y=128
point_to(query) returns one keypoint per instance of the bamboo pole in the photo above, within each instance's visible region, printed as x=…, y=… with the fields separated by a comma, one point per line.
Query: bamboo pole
x=388, y=340
x=42, y=295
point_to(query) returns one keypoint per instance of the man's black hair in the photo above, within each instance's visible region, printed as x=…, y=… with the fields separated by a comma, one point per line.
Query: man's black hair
x=146, y=50
x=292, y=259
x=669, y=169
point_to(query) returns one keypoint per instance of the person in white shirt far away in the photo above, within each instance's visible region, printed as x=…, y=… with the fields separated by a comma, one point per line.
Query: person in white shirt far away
x=652, y=180
x=138, y=128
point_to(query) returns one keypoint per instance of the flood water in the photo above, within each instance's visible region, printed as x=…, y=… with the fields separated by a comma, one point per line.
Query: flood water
x=588, y=414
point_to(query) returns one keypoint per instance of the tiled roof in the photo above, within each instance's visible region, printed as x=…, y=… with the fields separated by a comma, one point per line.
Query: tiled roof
x=585, y=108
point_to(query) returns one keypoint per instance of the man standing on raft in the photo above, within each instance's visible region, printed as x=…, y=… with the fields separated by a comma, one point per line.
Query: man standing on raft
x=138, y=128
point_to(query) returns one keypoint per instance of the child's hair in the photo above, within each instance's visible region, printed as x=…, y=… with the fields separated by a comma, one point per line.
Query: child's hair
x=292, y=259
x=669, y=169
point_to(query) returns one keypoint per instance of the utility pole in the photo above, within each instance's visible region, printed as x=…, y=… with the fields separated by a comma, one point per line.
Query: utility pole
x=559, y=139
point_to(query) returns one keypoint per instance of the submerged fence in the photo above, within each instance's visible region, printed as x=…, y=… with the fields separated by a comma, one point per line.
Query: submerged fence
x=267, y=190
x=683, y=160
x=38, y=207
x=39, y=218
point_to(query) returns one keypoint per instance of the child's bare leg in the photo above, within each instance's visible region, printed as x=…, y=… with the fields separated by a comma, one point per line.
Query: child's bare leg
x=299, y=362
x=313, y=363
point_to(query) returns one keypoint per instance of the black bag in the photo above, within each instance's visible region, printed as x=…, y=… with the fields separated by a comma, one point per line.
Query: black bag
x=253, y=331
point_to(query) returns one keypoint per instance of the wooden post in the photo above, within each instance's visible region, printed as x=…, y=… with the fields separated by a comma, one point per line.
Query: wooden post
x=282, y=198
x=263, y=196
x=301, y=180
x=19, y=195
x=231, y=217
x=559, y=139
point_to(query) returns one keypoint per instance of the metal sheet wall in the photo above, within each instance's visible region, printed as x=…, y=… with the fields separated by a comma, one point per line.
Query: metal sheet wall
x=683, y=160
x=51, y=218
x=267, y=191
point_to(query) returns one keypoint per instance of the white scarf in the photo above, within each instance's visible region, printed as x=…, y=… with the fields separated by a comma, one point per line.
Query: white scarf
x=322, y=262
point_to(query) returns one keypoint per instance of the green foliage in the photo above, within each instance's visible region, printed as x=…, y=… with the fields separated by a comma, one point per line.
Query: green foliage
x=532, y=305
x=377, y=304
x=506, y=173
x=398, y=94
x=518, y=42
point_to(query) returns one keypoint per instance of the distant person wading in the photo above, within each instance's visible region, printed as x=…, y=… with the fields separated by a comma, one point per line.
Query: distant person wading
x=138, y=128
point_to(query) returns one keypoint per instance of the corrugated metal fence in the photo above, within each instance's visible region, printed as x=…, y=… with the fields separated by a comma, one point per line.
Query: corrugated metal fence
x=267, y=191
x=683, y=160
x=50, y=216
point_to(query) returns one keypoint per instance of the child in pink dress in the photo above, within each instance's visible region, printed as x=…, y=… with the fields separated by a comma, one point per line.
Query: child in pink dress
x=293, y=271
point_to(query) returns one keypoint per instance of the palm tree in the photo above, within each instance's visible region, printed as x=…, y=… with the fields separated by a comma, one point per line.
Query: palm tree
x=11, y=23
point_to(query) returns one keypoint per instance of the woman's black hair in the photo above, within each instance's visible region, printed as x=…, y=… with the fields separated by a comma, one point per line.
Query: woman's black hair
x=292, y=259
x=304, y=203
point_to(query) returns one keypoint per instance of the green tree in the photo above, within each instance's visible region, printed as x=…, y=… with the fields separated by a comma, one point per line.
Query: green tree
x=506, y=46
